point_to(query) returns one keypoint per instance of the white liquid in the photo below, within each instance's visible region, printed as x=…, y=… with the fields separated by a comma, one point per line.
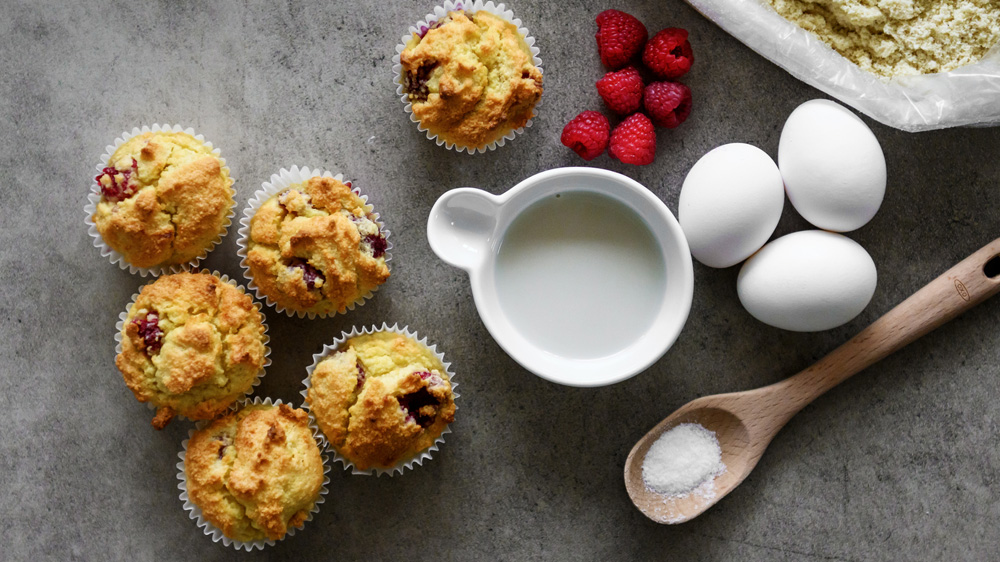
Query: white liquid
x=580, y=275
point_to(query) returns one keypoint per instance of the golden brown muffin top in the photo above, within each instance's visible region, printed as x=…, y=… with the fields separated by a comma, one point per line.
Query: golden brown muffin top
x=315, y=247
x=471, y=79
x=191, y=344
x=255, y=472
x=164, y=199
x=381, y=399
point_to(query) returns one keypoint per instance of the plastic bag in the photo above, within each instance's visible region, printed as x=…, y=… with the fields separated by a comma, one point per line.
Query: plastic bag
x=966, y=96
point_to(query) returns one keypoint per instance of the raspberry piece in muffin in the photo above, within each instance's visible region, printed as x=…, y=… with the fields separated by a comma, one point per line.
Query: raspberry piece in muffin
x=381, y=399
x=192, y=344
x=377, y=244
x=310, y=274
x=316, y=248
x=116, y=184
x=148, y=328
x=165, y=199
x=421, y=406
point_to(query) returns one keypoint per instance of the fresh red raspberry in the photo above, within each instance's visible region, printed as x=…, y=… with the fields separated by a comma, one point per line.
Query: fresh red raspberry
x=634, y=140
x=587, y=134
x=668, y=54
x=619, y=37
x=622, y=90
x=668, y=104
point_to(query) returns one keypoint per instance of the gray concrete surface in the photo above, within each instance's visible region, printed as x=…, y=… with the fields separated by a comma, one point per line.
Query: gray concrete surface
x=899, y=463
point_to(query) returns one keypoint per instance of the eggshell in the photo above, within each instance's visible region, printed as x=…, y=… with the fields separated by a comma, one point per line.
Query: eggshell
x=730, y=204
x=832, y=165
x=807, y=281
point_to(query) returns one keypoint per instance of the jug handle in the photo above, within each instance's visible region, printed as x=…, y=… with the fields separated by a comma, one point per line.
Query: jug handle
x=462, y=225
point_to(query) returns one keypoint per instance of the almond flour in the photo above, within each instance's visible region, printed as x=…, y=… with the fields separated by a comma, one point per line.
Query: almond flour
x=900, y=37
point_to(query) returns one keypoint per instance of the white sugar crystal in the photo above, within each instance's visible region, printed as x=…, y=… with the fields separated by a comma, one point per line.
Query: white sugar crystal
x=682, y=460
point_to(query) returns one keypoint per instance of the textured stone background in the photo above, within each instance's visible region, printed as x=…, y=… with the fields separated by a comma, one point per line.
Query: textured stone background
x=900, y=463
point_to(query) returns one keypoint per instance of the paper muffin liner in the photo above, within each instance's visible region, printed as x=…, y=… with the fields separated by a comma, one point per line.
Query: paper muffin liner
x=194, y=512
x=280, y=182
x=123, y=316
x=94, y=197
x=421, y=27
x=404, y=464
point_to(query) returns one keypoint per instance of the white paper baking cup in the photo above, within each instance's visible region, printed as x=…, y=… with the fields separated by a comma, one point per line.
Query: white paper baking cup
x=211, y=530
x=123, y=316
x=280, y=182
x=94, y=197
x=334, y=347
x=422, y=27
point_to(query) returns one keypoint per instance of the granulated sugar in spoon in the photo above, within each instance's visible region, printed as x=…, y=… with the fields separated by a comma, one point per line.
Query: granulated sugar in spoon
x=745, y=422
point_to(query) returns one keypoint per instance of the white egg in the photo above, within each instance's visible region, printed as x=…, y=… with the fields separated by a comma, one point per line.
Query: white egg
x=807, y=281
x=730, y=204
x=833, y=166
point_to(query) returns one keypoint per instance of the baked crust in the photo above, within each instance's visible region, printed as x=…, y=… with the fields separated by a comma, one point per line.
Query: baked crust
x=472, y=79
x=317, y=227
x=256, y=472
x=179, y=196
x=208, y=352
x=383, y=398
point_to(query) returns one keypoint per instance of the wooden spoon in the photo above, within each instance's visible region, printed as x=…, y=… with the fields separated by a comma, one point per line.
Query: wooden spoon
x=745, y=422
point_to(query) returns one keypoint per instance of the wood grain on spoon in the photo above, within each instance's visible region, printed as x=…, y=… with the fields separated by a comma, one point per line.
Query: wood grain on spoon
x=745, y=422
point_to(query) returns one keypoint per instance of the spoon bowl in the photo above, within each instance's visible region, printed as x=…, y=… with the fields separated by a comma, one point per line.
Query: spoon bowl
x=728, y=428
x=746, y=422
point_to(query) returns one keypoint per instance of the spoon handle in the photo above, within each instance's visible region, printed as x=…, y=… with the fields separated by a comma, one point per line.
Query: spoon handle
x=962, y=287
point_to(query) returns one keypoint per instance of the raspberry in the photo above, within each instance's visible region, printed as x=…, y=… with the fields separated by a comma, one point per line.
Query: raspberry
x=668, y=104
x=377, y=243
x=619, y=37
x=434, y=380
x=312, y=276
x=587, y=134
x=622, y=90
x=118, y=185
x=668, y=54
x=415, y=82
x=634, y=140
x=361, y=375
x=149, y=330
x=419, y=406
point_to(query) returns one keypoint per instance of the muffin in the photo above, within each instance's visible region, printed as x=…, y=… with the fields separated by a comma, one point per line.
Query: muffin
x=165, y=199
x=470, y=78
x=256, y=472
x=191, y=344
x=315, y=248
x=381, y=399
